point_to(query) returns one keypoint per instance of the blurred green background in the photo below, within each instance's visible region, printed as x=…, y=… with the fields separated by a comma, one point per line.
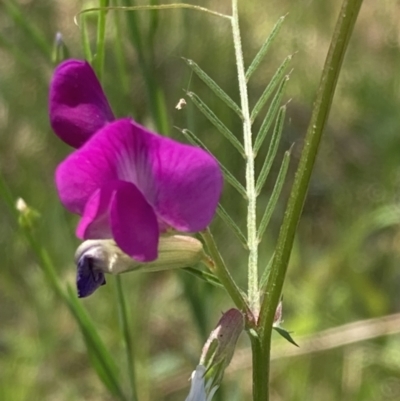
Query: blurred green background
x=345, y=264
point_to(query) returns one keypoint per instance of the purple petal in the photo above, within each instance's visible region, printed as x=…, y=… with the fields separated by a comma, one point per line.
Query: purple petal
x=182, y=183
x=134, y=223
x=88, y=279
x=78, y=107
x=119, y=210
x=189, y=184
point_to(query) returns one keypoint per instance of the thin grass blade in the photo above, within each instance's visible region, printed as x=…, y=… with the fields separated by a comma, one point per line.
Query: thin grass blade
x=264, y=48
x=103, y=362
x=192, y=138
x=221, y=127
x=101, y=40
x=87, y=51
x=270, y=116
x=33, y=33
x=275, y=195
x=232, y=225
x=273, y=148
x=275, y=81
x=214, y=86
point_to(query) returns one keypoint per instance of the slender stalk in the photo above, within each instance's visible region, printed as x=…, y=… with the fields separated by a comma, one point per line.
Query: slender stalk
x=158, y=7
x=341, y=36
x=217, y=265
x=253, y=292
x=123, y=314
x=101, y=36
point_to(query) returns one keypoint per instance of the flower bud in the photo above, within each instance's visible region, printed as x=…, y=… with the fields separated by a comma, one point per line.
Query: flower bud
x=96, y=257
x=216, y=356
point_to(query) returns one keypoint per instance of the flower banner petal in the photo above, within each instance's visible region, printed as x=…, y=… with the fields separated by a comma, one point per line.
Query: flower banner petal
x=189, y=184
x=77, y=104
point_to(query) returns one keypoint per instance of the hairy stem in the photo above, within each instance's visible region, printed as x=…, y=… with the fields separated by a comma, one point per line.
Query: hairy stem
x=253, y=292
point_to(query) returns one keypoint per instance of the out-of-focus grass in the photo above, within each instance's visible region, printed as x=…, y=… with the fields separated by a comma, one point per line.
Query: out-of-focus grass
x=343, y=268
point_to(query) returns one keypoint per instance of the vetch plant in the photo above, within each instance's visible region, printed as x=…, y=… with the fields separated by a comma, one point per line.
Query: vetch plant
x=137, y=191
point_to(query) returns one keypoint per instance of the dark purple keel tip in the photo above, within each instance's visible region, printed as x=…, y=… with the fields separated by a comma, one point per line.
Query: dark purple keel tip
x=88, y=279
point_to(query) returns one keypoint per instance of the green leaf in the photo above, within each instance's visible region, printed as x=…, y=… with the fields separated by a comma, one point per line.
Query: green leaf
x=274, y=196
x=232, y=225
x=269, y=118
x=285, y=334
x=214, y=87
x=277, y=79
x=264, y=48
x=207, y=277
x=221, y=127
x=272, y=150
x=192, y=138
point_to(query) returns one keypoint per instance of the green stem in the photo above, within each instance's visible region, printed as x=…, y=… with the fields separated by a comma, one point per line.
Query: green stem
x=101, y=36
x=123, y=315
x=261, y=357
x=341, y=36
x=253, y=292
x=219, y=268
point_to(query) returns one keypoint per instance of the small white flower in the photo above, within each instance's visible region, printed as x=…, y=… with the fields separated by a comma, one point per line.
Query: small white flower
x=199, y=389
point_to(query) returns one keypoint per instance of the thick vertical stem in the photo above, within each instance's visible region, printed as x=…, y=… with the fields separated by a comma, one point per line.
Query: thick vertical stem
x=253, y=293
x=330, y=74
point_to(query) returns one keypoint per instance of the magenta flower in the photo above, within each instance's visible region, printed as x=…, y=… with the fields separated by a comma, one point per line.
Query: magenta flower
x=125, y=182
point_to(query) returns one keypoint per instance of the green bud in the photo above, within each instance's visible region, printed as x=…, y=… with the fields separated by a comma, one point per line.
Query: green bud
x=60, y=51
x=174, y=252
x=220, y=346
x=27, y=216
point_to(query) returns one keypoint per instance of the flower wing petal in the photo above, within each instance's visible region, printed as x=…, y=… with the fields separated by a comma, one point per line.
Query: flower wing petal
x=119, y=210
x=77, y=105
x=134, y=224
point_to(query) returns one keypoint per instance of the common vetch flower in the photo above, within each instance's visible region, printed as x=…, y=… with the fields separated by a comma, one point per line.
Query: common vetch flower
x=126, y=182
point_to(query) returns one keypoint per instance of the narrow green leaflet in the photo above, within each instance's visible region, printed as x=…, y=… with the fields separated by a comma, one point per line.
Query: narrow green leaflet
x=264, y=48
x=214, y=87
x=221, y=127
x=192, y=138
x=269, y=118
x=285, y=334
x=275, y=195
x=272, y=150
x=232, y=225
x=273, y=83
x=207, y=277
